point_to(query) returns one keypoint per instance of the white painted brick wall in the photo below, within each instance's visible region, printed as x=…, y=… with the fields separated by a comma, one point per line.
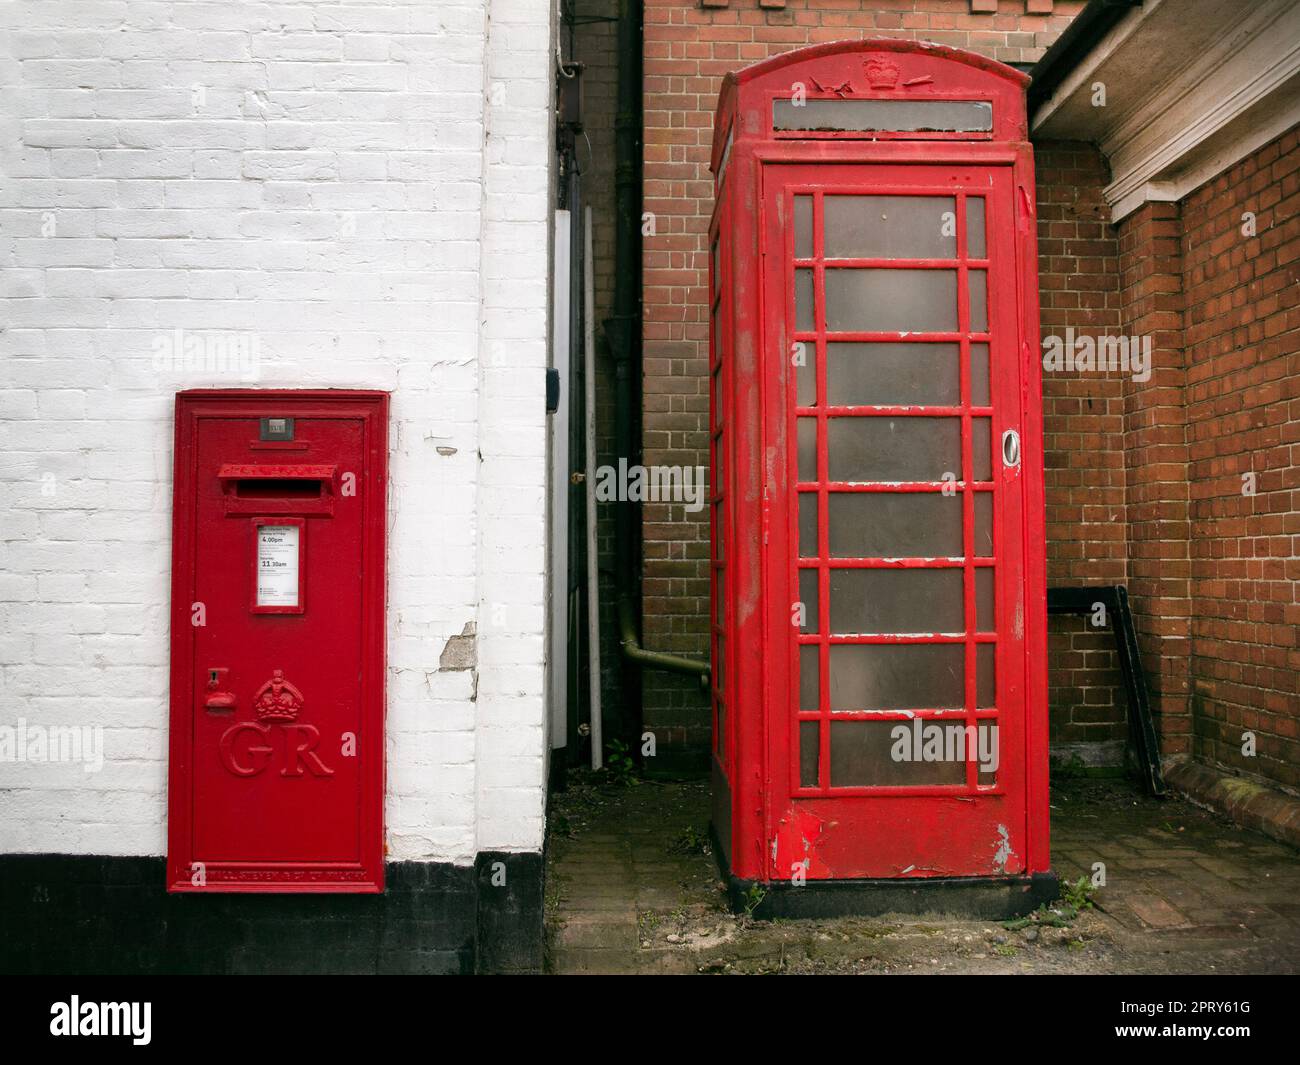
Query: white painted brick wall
x=365, y=188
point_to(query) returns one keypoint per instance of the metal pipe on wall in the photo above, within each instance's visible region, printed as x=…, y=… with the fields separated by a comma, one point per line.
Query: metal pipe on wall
x=593, y=566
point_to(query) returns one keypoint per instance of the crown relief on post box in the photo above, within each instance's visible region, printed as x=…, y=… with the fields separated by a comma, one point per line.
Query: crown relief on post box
x=277, y=699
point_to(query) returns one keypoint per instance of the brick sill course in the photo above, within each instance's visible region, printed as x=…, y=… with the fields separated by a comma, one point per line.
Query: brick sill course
x=1249, y=803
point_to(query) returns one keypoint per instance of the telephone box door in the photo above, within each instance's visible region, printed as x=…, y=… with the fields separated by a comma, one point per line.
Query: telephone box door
x=897, y=723
x=277, y=643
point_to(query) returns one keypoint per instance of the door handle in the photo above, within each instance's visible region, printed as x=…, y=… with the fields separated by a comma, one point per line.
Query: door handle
x=1010, y=448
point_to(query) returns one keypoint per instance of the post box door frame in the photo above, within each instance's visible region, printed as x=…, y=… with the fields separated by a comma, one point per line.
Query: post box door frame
x=371, y=408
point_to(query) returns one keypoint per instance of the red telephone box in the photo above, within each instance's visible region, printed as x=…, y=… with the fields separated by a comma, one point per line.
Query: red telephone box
x=879, y=602
x=277, y=621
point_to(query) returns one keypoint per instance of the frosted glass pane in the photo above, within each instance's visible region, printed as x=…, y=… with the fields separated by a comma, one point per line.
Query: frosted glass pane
x=985, y=676
x=981, y=449
x=984, y=605
x=809, y=682
x=983, y=524
x=901, y=374
x=803, y=301
x=894, y=525
x=805, y=374
x=979, y=300
x=809, y=737
x=979, y=375
x=904, y=116
x=862, y=755
x=896, y=601
x=808, y=524
x=891, y=301
x=889, y=227
x=803, y=225
x=871, y=448
x=807, y=431
x=915, y=676
x=975, y=227
x=808, y=593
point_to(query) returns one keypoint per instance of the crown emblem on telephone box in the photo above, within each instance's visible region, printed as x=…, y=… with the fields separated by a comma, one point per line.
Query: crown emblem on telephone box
x=277, y=699
x=881, y=74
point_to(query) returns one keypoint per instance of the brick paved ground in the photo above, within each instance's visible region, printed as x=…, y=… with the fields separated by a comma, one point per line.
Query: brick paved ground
x=631, y=889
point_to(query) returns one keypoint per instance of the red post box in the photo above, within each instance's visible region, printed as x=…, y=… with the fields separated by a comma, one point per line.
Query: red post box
x=879, y=603
x=277, y=645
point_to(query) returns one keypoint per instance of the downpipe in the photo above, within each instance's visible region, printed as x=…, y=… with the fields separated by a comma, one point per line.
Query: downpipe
x=634, y=652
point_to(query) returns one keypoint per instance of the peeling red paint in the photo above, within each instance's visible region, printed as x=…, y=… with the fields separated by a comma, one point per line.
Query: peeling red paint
x=796, y=843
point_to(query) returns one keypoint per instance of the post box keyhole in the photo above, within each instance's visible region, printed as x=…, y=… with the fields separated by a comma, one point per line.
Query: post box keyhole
x=216, y=699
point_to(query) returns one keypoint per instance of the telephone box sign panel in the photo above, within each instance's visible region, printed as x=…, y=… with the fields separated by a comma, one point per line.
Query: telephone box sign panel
x=878, y=530
x=277, y=681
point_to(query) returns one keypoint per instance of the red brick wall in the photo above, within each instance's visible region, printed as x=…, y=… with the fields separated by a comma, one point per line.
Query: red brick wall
x=1083, y=421
x=688, y=49
x=1242, y=330
x=1155, y=457
x=1212, y=571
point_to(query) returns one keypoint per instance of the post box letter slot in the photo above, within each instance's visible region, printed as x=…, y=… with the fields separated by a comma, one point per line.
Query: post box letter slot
x=277, y=488
x=257, y=489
